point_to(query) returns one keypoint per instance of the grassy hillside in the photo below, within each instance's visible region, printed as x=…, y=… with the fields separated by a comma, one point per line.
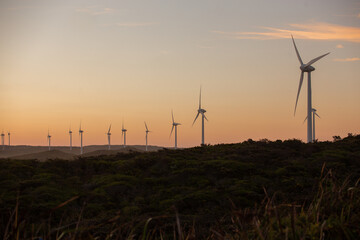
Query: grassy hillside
x=197, y=192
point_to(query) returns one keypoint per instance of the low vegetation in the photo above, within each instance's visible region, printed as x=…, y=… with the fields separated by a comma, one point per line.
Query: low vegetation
x=251, y=190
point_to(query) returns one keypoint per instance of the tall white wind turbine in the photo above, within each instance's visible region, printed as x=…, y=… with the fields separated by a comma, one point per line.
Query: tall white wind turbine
x=123, y=133
x=49, y=140
x=146, y=136
x=3, y=140
x=174, y=125
x=109, y=135
x=306, y=68
x=81, y=139
x=70, y=134
x=202, y=112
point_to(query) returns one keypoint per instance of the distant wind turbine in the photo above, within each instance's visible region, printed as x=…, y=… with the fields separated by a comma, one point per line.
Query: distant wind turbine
x=202, y=112
x=49, y=140
x=109, y=135
x=81, y=139
x=306, y=68
x=123, y=133
x=174, y=125
x=317, y=115
x=9, y=137
x=3, y=140
x=70, y=134
x=314, y=115
x=146, y=137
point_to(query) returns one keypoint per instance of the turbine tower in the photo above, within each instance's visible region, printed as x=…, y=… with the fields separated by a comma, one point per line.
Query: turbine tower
x=146, y=137
x=9, y=137
x=49, y=140
x=306, y=68
x=123, y=133
x=3, y=140
x=81, y=139
x=108, y=135
x=202, y=112
x=174, y=125
x=70, y=134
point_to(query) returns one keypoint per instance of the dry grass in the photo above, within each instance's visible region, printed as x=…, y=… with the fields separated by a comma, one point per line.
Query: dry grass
x=333, y=213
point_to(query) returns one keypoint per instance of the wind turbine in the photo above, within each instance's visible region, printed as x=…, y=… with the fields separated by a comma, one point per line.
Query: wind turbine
x=123, y=133
x=306, y=68
x=108, y=135
x=70, y=134
x=202, y=112
x=314, y=115
x=3, y=140
x=146, y=137
x=174, y=125
x=81, y=139
x=49, y=139
x=9, y=137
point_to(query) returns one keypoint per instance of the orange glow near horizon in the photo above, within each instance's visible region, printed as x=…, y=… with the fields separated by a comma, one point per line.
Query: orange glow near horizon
x=66, y=62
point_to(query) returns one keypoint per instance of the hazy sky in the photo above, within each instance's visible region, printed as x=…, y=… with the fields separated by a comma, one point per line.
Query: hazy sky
x=105, y=61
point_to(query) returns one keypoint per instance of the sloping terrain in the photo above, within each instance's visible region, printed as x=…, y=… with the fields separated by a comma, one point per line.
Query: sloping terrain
x=24, y=152
x=46, y=155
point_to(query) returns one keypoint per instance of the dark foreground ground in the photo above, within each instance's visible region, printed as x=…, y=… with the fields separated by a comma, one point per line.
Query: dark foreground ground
x=251, y=190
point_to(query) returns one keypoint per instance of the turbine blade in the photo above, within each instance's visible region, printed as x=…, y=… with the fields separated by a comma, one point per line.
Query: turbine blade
x=317, y=115
x=205, y=118
x=146, y=127
x=172, y=115
x=297, y=52
x=171, y=131
x=195, y=118
x=316, y=59
x=300, y=84
x=304, y=120
x=109, y=129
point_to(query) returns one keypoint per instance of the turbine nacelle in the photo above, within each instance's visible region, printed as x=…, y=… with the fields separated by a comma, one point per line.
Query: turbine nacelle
x=305, y=68
x=202, y=111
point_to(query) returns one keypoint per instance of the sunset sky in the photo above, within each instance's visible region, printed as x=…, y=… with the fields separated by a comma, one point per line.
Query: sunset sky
x=108, y=61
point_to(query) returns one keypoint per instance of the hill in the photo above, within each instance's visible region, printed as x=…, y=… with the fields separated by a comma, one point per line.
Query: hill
x=127, y=149
x=46, y=155
x=200, y=186
x=23, y=151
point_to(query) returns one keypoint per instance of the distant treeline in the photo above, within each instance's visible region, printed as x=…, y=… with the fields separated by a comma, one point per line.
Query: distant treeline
x=199, y=187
